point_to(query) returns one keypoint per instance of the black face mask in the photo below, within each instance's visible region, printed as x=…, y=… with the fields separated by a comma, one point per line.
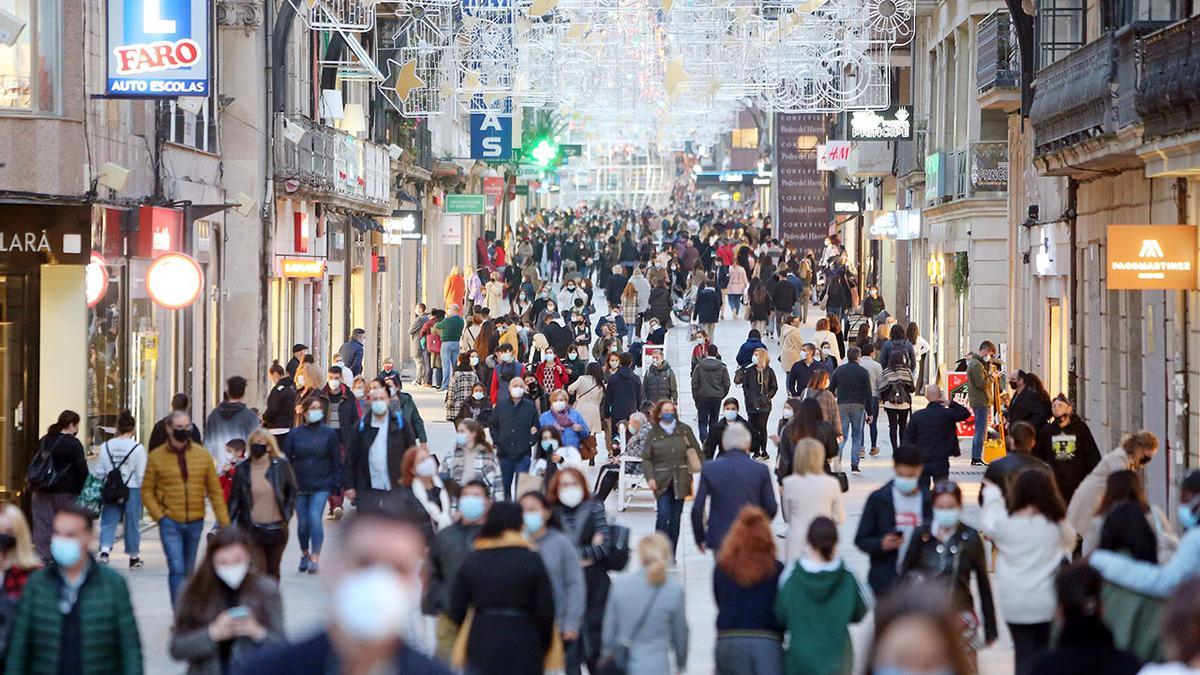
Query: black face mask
x=7, y=543
x=1145, y=460
x=181, y=435
x=258, y=450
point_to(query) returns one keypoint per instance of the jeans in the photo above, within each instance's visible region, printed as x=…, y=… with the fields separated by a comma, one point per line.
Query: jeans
x=450, y=352
x=873, y=412
x=1029, y=640
x=509, y=468
x=981, y=427
x=708, y=413
x=754, y=655
x=310, y=509
x=853, y=415
x=110, y=515
x=668, y=513
x=735, y=303
x=179, y=542
x=897, y=423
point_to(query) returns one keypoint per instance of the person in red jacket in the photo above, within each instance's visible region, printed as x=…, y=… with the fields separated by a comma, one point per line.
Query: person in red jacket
x=552, y=374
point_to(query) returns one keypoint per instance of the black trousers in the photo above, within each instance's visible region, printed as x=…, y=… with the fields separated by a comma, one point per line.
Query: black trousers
x=897, y=423
x=1029, y=640
x=708, y=412
x=758, y=425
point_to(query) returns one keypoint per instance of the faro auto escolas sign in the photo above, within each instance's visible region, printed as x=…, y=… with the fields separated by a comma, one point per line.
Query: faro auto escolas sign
x=158, y=48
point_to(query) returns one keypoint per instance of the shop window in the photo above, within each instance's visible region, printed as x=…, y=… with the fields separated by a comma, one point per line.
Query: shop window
x=30, y=69
x=106, y=360
x=1061, y=29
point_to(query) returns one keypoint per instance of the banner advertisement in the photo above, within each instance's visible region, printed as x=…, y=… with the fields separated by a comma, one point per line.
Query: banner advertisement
x=802, y=192
x=956, y=385
x=158, y=48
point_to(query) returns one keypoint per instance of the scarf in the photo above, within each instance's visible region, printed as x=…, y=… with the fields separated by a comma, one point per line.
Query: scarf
x=669, y=428
x=508, y=539
x=562, y=420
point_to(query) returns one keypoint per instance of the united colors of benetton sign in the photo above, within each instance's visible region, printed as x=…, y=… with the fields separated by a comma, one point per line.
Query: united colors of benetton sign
x=158, y=48
x=1151, y=257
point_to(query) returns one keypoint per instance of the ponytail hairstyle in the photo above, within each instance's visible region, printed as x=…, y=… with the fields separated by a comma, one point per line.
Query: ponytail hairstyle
x=823, y=537
x=125, y=422
x=654, y=551
x=66, y=419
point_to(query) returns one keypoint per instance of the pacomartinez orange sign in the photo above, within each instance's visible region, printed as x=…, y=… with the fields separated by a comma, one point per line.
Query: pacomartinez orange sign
x=1151, y=257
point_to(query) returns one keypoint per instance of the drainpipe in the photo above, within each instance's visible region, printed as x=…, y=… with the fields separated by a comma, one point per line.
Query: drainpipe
x=1179, y=439
x=1070, y=216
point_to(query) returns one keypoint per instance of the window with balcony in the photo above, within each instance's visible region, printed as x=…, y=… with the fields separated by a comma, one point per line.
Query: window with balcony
x=1120, y=13
x=30, y=70
x=1061, y=29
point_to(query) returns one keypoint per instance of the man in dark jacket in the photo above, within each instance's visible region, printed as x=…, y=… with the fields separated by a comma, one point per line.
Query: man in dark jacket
x=446, y=554
x=614, y=286
x=803, y=370
x=934, y=432
x=229, y=420
x=732, y=481
x=783, y=296
x=298, y=352
x=558, y=335
x=622, y=392
x=375, y=452
x=729, y=416
x=710, y=384
x=891, y=515
x=851, y=383
x=659, y=383
x=352, y=352
x=746, y=352
x=343, y=409
x=179, y=403
x=514, y=429
x=708, y=307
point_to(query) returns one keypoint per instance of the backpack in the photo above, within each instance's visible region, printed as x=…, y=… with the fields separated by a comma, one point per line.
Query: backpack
x=897, y=394
x=42, y=475
x=114, y=489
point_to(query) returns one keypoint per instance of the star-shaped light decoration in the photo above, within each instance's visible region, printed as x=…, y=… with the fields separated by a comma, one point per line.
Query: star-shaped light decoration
x=675, y=76
x=542, y=7
x=407, y=80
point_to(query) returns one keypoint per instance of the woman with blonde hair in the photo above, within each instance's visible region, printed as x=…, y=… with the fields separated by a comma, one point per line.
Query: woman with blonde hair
x=266, y=472
x=455, y=288
x=309, y=382
x=17, y=558
x=644, y=619
x=807, y=494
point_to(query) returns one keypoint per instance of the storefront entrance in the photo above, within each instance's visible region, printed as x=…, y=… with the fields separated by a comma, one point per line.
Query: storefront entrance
x=18, y=375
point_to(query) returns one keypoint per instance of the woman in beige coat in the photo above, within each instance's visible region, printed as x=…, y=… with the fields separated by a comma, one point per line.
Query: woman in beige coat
x=791, y=343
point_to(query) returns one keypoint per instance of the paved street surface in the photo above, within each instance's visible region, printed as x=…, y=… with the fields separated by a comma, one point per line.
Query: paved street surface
x=304, y=596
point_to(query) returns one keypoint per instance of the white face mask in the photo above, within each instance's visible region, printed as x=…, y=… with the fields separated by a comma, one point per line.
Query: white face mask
x=334, y=383
x=516, y=392
x=232, y=575
x=477, y=395
x=372, y=605
x=506, y=358
x=426, y=467
x=474, y=360
x=559, y=406
x=571, y=496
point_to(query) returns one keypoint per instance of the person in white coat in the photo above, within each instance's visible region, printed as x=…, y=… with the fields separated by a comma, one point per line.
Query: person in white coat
x=1134, y=453
x=128, y=456
x=1033, y=537
x=808, y=494
x=419, y=473
x=588, y=391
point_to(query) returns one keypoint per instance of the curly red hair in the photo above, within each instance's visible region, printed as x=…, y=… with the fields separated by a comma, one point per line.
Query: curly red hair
x=748, y=552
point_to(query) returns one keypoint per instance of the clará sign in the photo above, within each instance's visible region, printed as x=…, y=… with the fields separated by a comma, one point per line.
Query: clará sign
x=1142, y=257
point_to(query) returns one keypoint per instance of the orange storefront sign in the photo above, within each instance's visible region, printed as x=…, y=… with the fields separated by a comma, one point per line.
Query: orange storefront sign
x=302, y=267
x=1142, y=257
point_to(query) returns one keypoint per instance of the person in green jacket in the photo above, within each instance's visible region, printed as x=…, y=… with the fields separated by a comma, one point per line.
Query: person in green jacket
x=451, y=330
x=817, y=601
x=980, y=395
x=90, y=629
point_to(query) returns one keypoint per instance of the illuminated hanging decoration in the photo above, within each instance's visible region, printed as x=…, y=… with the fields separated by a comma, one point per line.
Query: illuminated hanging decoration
x=174, y=280
x=95, y=279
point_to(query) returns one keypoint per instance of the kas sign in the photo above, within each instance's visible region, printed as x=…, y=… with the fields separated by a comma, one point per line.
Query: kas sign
x=491, y=137
x=158, y=48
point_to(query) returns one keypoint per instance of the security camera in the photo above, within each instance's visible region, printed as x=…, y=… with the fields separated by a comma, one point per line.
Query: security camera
x=113, y=176
x=394, y=151
x=11, y=26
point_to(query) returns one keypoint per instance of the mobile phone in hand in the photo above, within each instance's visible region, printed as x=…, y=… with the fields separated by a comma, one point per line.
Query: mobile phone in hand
x=239, y=612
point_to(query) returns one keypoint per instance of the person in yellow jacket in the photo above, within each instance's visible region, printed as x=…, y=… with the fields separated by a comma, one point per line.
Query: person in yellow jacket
x=180, y=474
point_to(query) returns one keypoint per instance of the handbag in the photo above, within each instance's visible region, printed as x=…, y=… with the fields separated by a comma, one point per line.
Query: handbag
x=836, y=471
x=587, y=447
x=616, y=662
x=89, y=497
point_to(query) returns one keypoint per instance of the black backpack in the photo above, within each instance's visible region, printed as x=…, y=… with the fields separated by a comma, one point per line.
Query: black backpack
x=114, y=490
x=898, y=394
x=42, y=475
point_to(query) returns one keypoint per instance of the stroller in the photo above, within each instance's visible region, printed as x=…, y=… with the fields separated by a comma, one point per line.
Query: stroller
x=685, y=307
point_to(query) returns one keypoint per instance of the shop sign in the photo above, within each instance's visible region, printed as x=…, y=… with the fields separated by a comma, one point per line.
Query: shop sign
x=802, y=209
x=522, y=190
x=402, y=226
x=158, y=48
x=902, y=225
x=893, y=124
x=491, y=137
x=302, y=268
x=160, y=231
x=833, y=155
x=956, y=383
x=174, y=280
x=493, y=189
x=1142, y=257
x=470, y=205
x=35, y=234
x=95, y=280
x=847, y=200
x=989, y=167
x=452, y=230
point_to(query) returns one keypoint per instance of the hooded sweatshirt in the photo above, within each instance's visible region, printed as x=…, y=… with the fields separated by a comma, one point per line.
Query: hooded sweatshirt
x=816, y=603
x=1070, y=451
x=230, y=420
x=710, y=379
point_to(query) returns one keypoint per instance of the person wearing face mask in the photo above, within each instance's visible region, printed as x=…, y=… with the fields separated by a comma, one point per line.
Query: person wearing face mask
x=666, y=466
x=231, y=419
x=342, y=412
x=474, y=459
x=75, y=615
x=891, y=515
x=1032, y=534
x=180, y=475
x=56, y=476
x=18, y=562
x=710, y=384
x=514, y=429
x=228, y=610
x=1067, y=445
x=551, y=376
x=981, y=395
x=419, y=474
x=729, y=416
x=608, y=343
x=947, y=551
x=446, y=553
x=504, y=585
x=314, y=452
x=507, y=370
x=125, y=455
x=1160, y=580
x=374, y=606
x=375, y=453
x=622, y=391
x=544, y=529
x=585, y=523
x=567, y=420
x=279, y=415
x=263, y=500
x=1083, y=642
x=659, y=384
x=1134, y=454
x=475, y=407
x=759, y=386
x=462, y=382
x=577, y=361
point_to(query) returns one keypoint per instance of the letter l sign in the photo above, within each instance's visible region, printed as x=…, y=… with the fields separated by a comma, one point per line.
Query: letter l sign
x=152, y=21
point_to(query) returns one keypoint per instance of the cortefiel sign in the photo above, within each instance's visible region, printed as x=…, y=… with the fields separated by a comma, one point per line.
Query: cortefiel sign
x=1144, y=257
x=158, y=48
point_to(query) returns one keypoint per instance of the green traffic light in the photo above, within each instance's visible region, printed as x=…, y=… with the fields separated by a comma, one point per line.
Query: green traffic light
x=544, y=152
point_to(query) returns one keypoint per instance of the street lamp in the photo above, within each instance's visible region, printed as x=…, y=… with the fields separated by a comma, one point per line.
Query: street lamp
x=936, y=269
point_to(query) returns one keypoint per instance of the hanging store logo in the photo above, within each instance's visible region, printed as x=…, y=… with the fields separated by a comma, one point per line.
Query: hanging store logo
x=158, y=48
x=1166, y=257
